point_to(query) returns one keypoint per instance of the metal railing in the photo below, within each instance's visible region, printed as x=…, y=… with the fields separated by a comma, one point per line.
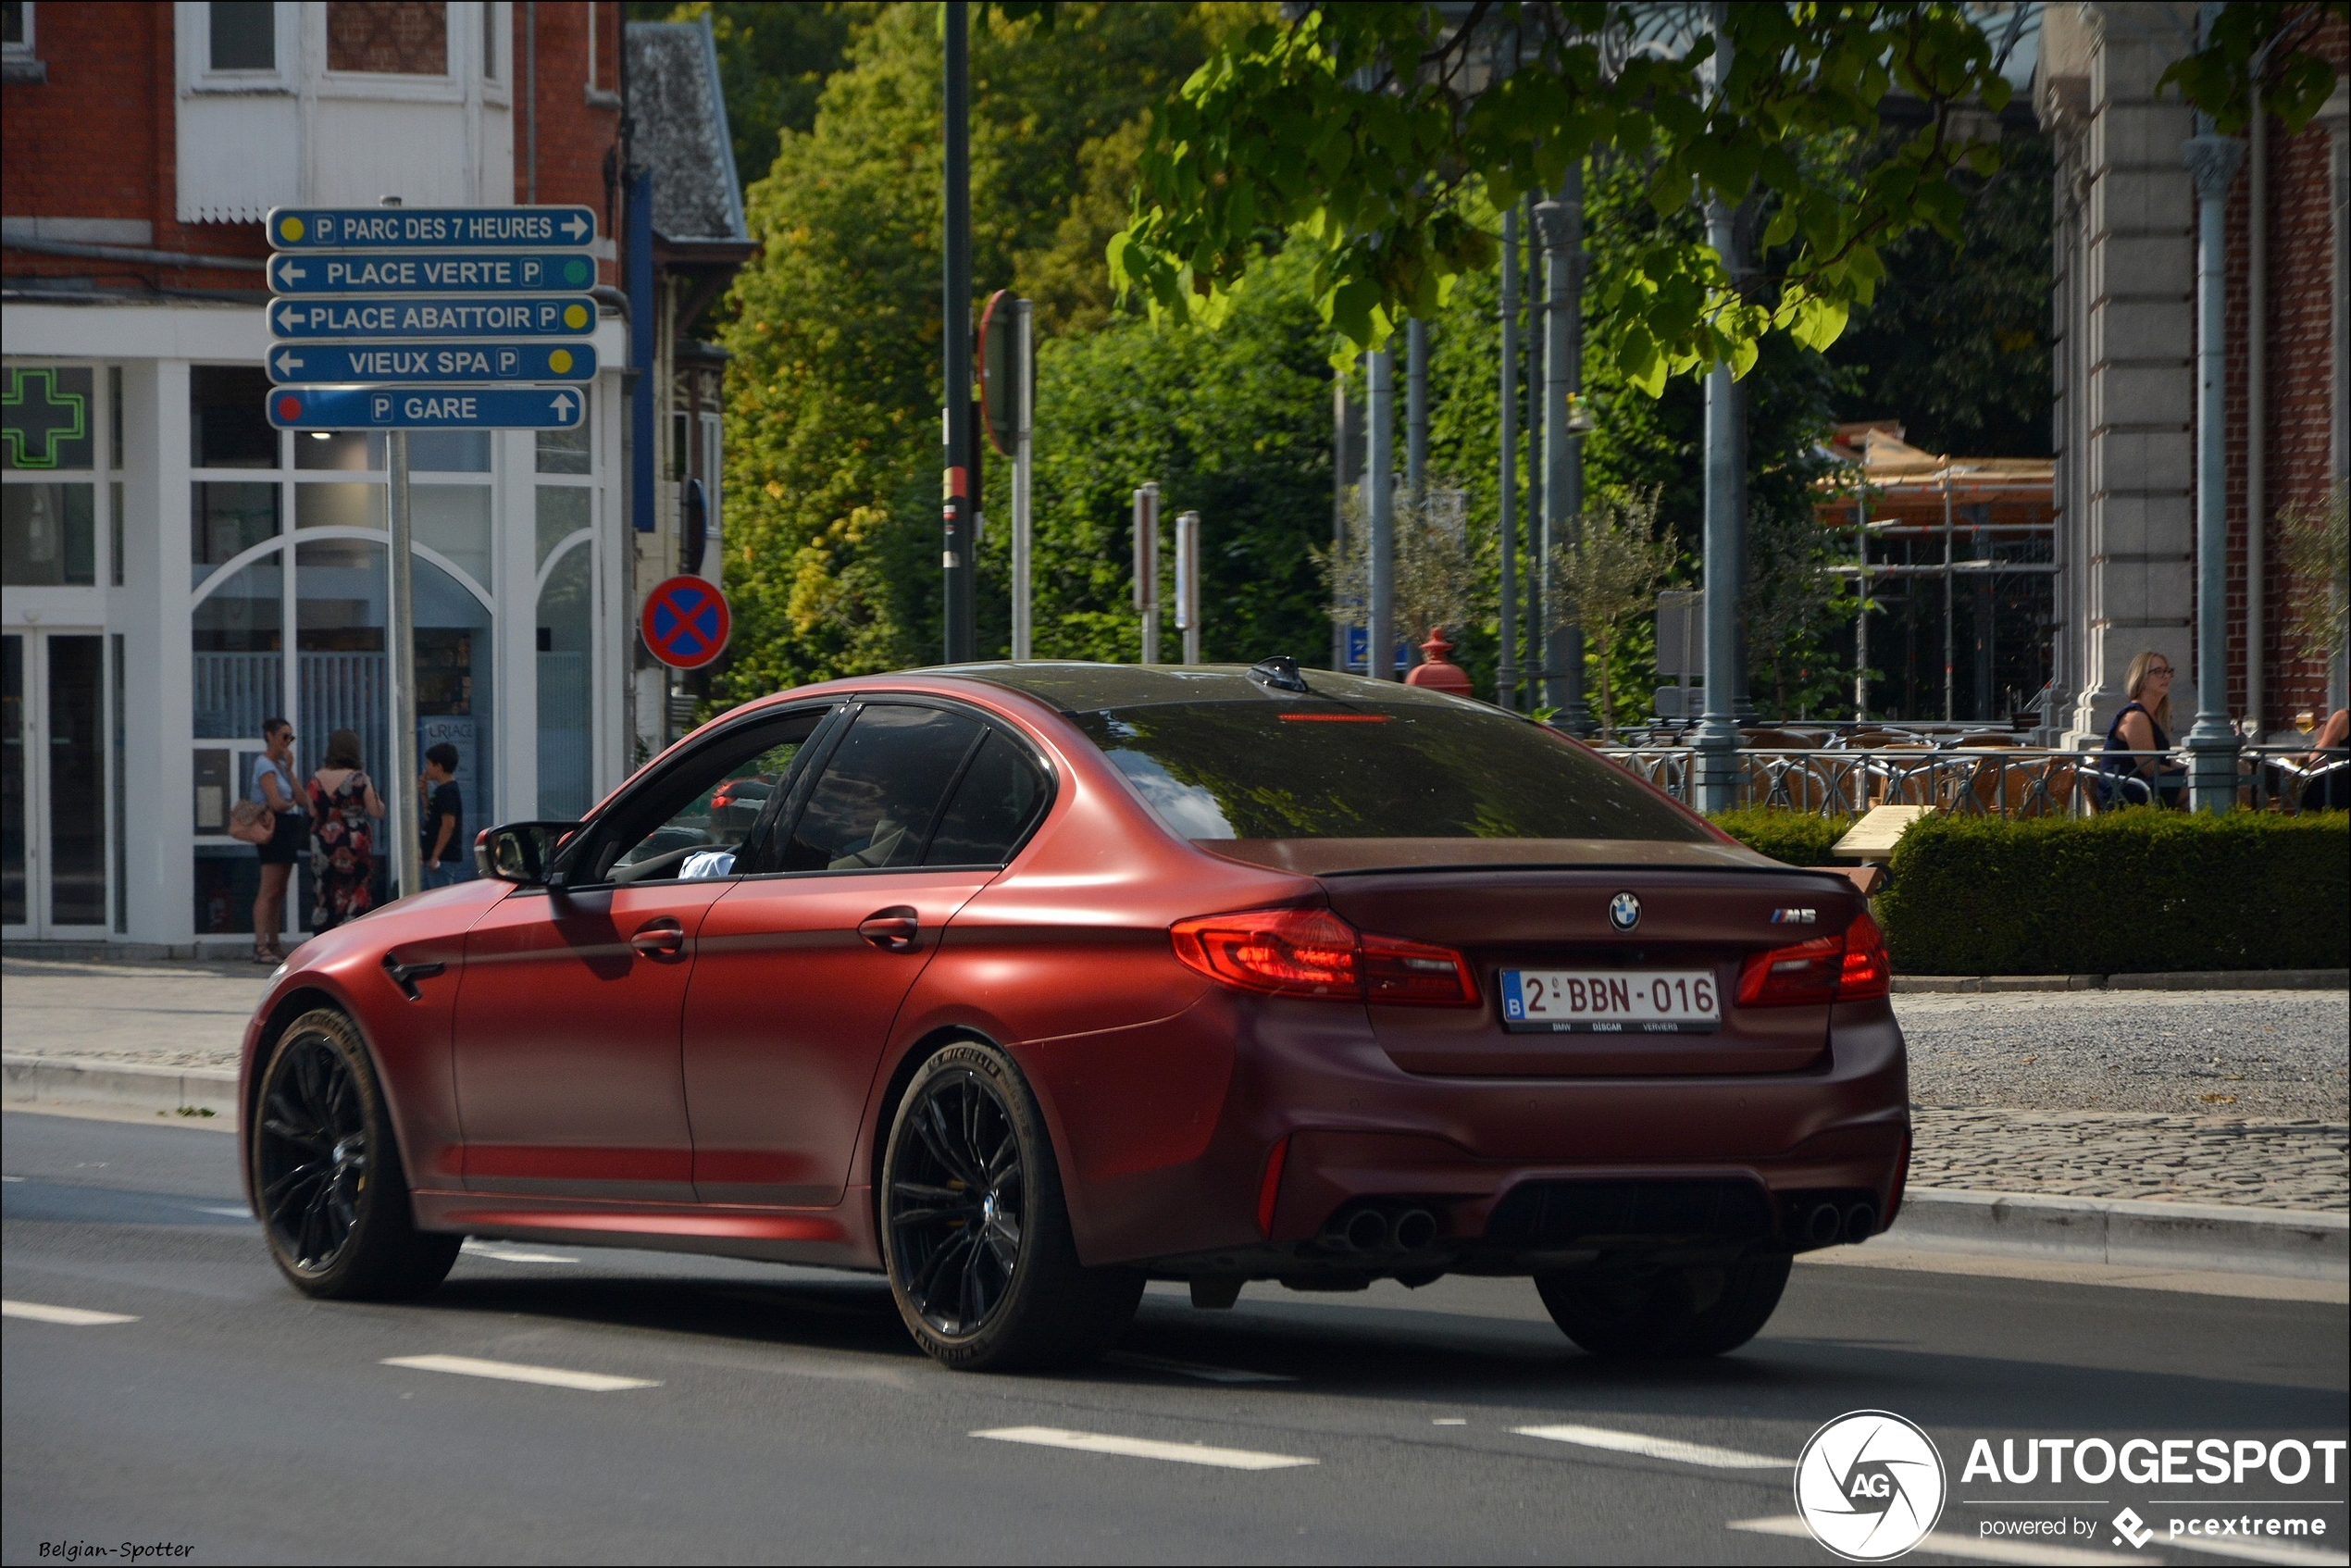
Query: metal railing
x=2017, y=781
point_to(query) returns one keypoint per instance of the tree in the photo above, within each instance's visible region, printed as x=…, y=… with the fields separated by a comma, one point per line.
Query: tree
x=833, y=390
x=1434, y=571
x=1609, y=575
x=1373, y=132
x=2314, y=544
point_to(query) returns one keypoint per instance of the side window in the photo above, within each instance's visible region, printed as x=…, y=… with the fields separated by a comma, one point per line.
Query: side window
x=693, y=823
x=880, y=792
x=992, y=806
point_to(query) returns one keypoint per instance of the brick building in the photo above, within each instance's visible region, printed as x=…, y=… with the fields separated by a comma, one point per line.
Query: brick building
x=175, y=570
x=2124, y=345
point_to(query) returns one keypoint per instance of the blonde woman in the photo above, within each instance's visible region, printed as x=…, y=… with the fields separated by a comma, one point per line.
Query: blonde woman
x=2143, y=725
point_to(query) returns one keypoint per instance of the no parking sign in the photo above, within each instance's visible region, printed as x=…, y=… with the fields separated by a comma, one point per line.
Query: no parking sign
x=685, y=622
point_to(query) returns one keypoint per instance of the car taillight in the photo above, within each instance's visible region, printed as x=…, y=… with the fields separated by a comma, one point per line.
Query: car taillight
x=1851, y=967
x=1313, y=952
x=1868, y=971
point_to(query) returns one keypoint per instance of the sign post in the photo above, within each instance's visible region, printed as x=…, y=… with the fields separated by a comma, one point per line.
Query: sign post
x=1188, y=583
x=1147, y=567
x=398, y=320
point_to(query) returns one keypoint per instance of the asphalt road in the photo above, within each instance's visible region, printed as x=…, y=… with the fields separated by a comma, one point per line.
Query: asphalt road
x=782, y=1414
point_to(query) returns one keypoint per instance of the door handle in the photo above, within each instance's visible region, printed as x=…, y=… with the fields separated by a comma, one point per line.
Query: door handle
x=894, y=929
x=659, y=939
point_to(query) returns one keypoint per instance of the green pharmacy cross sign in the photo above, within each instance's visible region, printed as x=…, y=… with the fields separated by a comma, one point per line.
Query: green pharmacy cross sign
x=35, y=426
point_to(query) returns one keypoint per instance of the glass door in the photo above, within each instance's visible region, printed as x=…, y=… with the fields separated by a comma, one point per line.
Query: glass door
x=53, y=784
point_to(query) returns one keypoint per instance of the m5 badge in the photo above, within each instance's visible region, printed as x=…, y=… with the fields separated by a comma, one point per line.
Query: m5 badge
x=1794, y=916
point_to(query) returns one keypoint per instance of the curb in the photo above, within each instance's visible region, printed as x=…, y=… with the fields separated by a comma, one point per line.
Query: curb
x=164, y=1089
x=2193, y=980
x=2287, y=1243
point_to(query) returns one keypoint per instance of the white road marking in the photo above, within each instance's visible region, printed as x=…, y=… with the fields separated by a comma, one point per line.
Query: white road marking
x=517, y=1372
x=11, y=1178
x=1450, y=1421
x=1194, y=1369
x=1968, y=1546
x=232, y=1213
x=73, y=1317
x=1145, y=1448
x=1656, y=1448
x=510, y=1255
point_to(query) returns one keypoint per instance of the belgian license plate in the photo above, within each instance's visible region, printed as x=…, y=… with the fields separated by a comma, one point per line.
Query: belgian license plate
x=1612, y=1001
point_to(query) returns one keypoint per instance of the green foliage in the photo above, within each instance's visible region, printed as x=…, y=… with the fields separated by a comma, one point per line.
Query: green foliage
x=2127, y=892
x=1605, y=580
x=1955, y=343
x=1361, y=128
x=1796, y=838
x=2265, y=42
x=2314, y=543
x=1234, y=424
x=834, y=389
x=772, y=63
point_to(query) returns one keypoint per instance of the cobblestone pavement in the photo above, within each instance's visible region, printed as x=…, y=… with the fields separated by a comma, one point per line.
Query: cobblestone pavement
x=2208, y=1097
x=2107, y=1155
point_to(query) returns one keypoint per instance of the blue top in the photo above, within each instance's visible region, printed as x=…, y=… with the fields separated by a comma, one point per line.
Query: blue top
x=2115, y=741
x=285, y=786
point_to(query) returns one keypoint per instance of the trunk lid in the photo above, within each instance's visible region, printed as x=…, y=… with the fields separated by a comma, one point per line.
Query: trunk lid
x=1695, y=919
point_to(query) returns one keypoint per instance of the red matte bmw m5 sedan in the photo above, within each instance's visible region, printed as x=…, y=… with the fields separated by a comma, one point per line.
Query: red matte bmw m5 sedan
x=1025, y=983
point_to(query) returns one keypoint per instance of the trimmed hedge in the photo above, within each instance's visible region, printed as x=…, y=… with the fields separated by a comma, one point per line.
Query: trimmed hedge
x=2126, y=892
x=1795, y=837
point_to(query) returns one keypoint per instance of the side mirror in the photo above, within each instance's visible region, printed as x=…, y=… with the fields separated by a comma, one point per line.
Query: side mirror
x=520, y=852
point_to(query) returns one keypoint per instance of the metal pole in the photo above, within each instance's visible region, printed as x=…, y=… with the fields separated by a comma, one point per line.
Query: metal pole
x=1147, y=567
x=1188, y=583
x=1506, y=671
x=1416, y=410
x=400, y=801
x=1379, y=642
x=1563, y=642
x=1947, y=591
x=2212, y=743
x=1861, y=610
x=1538, y=600
x=1023, y=623
x=1717, y=763
x=2256, y=420
x=958, y=503
x=1339, y=412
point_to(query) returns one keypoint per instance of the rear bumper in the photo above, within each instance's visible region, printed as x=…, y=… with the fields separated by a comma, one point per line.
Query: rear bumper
x=1354, y=1128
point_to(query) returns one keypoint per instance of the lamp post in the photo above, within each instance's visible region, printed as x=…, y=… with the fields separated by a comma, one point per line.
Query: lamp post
x=961, y=498
x=2212, y=743
x=1561, y=224
x=1379, y=507
x=1506, y=671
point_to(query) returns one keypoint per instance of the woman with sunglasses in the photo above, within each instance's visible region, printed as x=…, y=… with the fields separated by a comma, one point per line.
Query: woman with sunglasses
x=2142, y=727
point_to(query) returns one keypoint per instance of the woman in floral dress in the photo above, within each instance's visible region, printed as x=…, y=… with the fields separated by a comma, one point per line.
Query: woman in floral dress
x=344, y=809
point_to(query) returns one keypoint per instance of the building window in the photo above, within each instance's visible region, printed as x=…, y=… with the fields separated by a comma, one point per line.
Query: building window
x=48, y=442
x=16, y=26
x=566, y=606
x=228, y=418
x=244, y=35
x=489, y=50
x=388, y=37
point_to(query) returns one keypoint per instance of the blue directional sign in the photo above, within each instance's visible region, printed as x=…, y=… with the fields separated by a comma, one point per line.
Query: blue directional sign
x=562, y=316
x=423, y=363
x=444, y=272
x=344, y=229
x=426, y=408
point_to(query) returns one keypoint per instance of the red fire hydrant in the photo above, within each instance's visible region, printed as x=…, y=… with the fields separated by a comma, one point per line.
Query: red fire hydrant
x=1436, y=671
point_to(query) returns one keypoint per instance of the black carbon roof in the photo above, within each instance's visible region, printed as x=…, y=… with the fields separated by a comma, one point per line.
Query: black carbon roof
x=1076, y=687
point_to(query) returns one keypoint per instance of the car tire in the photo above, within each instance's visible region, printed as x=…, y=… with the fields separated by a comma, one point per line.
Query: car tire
x=975, y=1230
x=1664, y=1313
x=326, y=1175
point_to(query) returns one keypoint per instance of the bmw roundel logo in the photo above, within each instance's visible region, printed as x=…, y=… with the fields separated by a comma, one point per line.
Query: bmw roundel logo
x=1625, y=911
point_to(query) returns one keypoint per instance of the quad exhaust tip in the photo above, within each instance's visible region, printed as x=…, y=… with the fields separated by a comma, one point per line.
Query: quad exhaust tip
x=1367, y=1228
x=1826, y=1225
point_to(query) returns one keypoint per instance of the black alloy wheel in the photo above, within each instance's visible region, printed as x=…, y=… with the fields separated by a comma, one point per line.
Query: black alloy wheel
x=957, y=1202
x=974, y=1232
x=311, y=1153
x=327, y=1173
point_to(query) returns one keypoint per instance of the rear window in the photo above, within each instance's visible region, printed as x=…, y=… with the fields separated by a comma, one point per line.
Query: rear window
x=1420, y=770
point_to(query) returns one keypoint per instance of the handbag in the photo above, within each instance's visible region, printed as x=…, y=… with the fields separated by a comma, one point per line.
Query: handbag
x=250, y=822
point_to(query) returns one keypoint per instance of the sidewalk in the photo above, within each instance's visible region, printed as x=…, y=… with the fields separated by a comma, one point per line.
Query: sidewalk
x=2215, y=1098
